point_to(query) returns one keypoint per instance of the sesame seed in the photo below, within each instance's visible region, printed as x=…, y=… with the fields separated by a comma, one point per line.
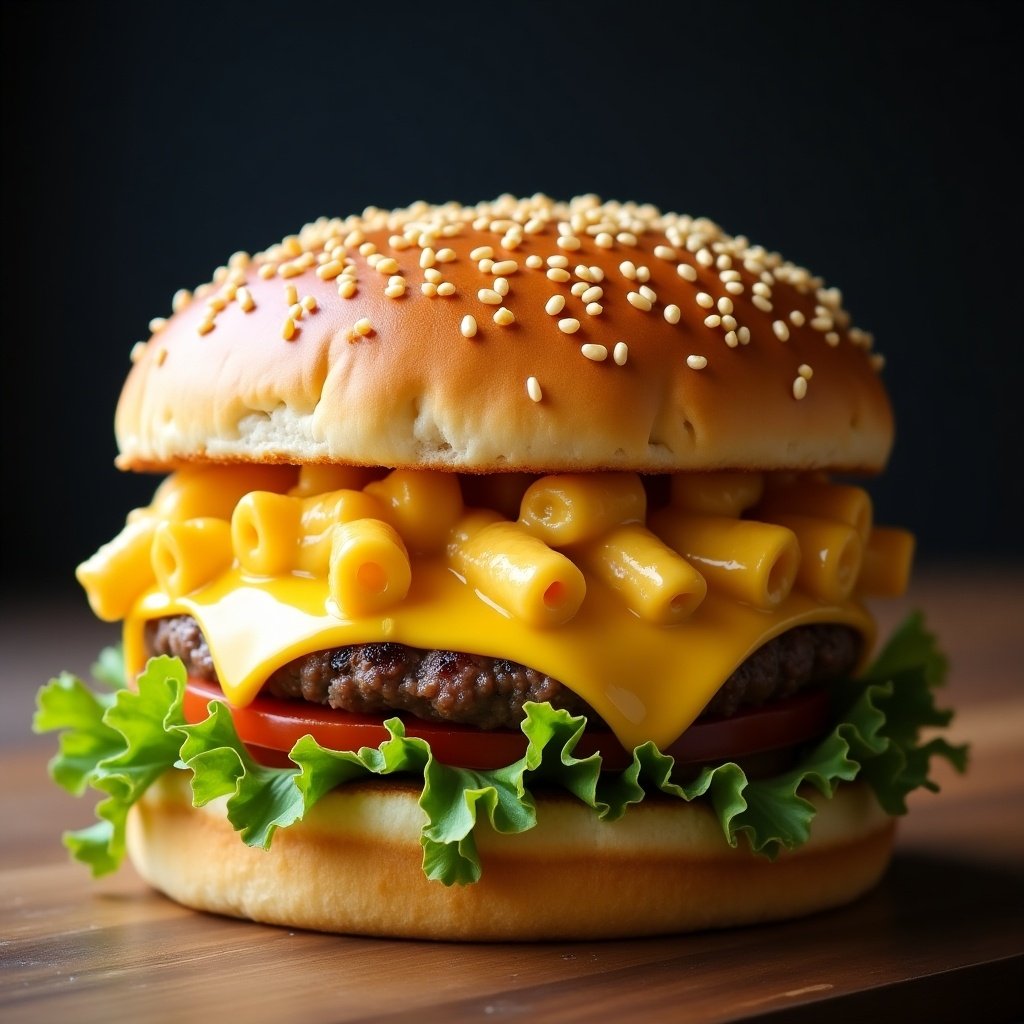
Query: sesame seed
x=626, y=238
x=399, y=242
x=446, y=288
x=346, y=288
x=620, y=353
x=363, y=327
x=877, y=361
x=182, y=297
x=724, y=305
x=433, y=275
x=673, y=313
x=704, y=300
x=704, y=258
x=643, y=273
x=595, y=353
x=832, y=338
x=781, y=330
x=570, y=242
x=288, y=330
x=744, y=335
x=797, y=319
x=558, y=274
x=501, y=285
x=729, y=322
x=592, y=294
x=594, y=308
x=206, y=326
x=762, y=303
x=394, y=291
x=696, y=362
x=569, y=325
x=161, y=356
x=296, y=311
x=468, y=326
x=367, y=249
x=482, y=252
x=714, y=320
x=158, y=323
x=664, y=252
x=687, y=272
x=137, y=352
x=329, y=271
x=760, y=288
x=579, y=287
x=648, y=293
x=734, y=287
x=429, y=289
x=289, y=270
x=445, y=255
x=731, y=340
x=504, y=267
x=387, y=265
x=628, y=269
x=596, y=275
x=604, y=240
x=800, y=388
x=729, y=275
x=309, y=303
x=533, y=261
x=267, y=271
x=805, y=371
x=533, y=389
x=822, y=323
x=291, y=295
x=490, y=296
x=504, y=317
x=484, y=266
x=555, y=305
x=427, y=258
x=534, y=226
x=583, y=272
x=639, y=301
x=558, y=261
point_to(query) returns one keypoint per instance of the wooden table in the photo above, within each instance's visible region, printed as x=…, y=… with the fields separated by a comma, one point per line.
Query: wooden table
x=941, y=939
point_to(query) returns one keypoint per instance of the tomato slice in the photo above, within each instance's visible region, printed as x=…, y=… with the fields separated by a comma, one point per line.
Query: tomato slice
x=269, y=726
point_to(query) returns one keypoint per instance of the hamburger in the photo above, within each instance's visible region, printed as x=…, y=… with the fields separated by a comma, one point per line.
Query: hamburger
x=506, y=581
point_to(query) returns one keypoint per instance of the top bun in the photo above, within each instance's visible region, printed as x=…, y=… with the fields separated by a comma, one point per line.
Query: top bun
x=522, y=334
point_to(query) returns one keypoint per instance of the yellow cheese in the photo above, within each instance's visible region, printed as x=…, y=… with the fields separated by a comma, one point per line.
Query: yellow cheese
x=647, y=680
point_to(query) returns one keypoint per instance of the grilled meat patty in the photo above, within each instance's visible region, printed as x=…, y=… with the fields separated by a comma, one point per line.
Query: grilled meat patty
x=489, y=693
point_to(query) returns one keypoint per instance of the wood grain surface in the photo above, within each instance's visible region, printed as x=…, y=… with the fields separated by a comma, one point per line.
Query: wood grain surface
x=941, y=939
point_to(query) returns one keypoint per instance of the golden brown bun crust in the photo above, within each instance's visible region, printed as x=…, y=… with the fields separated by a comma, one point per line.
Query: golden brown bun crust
x=353, y=866
x=225, y=385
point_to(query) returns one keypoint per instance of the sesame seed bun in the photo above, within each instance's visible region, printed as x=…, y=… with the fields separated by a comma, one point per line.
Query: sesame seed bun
x=519, y=334
x=352, y=865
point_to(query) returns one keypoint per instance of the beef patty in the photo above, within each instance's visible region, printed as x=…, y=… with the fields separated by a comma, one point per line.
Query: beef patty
x=489, y=693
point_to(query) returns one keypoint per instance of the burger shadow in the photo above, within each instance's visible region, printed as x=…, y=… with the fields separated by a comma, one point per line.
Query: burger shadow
x=924, y=899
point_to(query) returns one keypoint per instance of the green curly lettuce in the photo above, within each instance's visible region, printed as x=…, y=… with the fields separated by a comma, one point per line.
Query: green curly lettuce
x=119, y=741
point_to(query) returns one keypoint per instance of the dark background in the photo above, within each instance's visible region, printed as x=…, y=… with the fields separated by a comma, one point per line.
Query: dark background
x=874, y=143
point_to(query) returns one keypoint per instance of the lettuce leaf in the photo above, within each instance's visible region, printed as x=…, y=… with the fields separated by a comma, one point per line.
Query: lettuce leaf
x=120, y=742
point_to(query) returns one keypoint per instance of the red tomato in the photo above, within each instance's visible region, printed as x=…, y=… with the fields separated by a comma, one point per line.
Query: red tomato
x=270, y=726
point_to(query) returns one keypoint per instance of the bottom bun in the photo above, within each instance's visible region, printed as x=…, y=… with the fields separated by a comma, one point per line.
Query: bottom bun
x=352, y=865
